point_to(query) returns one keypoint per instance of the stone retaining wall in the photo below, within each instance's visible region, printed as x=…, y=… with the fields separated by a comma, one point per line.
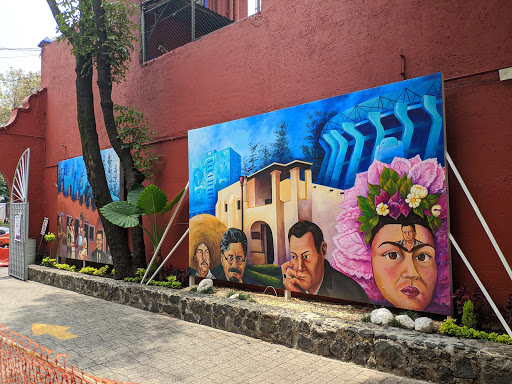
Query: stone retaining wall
x=434, y=358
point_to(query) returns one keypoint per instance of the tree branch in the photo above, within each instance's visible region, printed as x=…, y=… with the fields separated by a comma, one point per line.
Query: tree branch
x=56, y=13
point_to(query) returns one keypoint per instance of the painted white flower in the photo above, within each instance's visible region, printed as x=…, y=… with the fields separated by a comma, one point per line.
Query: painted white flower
x=382, y=209
x=436, y=210
x=420, y=191
x=413, y=200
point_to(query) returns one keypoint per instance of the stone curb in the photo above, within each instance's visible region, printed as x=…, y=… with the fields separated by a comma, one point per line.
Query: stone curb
x=434, y=358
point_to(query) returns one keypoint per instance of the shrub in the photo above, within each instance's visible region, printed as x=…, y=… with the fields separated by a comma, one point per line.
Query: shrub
x=95, y=271
x=395, y=323
x=366, y=318
x=66, y=267
x=47, y=262
x=468, y=315
x=450, y=328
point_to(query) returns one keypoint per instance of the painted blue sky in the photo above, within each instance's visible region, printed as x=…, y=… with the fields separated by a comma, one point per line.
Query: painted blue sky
x=260, y=128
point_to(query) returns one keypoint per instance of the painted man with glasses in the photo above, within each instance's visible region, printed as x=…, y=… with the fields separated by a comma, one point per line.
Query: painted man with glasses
x=233, y=248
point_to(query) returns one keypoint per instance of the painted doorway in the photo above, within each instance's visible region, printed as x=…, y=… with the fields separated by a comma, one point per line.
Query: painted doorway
x=262, y=243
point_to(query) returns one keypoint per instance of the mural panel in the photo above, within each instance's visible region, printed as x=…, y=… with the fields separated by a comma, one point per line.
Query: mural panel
x=343, y=197
x=80, y=232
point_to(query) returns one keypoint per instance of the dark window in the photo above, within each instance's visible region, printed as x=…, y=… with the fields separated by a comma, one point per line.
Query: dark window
x=256, y=235
x=225, y=207
x=238, y=204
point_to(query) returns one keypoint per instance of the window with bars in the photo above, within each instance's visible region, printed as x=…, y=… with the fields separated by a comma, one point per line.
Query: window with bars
x=169, y=24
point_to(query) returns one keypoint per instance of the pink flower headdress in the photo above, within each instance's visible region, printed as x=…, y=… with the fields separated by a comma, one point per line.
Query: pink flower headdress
x=404, y=186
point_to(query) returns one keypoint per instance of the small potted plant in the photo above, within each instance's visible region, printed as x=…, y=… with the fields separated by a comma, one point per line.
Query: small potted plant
x=49, y=238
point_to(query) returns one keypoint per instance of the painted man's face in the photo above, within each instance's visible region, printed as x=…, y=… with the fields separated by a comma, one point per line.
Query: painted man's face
x=233, y=262
x=408, y=233
x=99, y=241
x=307, y=262
x=203, y=259
x=406, y=279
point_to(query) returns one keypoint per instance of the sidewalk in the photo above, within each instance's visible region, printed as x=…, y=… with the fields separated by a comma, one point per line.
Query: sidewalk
x=124, y=343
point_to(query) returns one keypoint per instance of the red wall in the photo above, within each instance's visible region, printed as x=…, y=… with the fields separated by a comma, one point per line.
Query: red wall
x=297, y=52
x=26, y=129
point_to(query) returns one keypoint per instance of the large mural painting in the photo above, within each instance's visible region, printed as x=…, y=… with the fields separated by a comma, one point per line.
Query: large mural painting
x=80, y=232
x=343, y=197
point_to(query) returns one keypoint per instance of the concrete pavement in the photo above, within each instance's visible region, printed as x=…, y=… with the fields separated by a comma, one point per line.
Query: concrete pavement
x=124, y=343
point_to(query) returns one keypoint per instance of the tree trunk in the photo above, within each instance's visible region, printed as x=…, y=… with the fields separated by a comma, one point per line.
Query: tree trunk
x=116, y=236
x=131, y=174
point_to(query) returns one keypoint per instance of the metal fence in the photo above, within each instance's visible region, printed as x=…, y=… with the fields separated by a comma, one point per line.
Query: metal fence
x=169, y=24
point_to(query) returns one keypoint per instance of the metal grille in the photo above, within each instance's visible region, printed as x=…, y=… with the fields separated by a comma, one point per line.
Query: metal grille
x=169, y=24
x=18, y=236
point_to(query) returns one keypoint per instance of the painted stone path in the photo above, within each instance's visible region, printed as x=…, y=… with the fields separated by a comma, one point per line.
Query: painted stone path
x=124, y=343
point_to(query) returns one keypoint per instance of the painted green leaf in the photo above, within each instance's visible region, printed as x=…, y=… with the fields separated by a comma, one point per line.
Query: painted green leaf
x=367, y=237
x=363, y=227
x=391, y=187
x=401, y=180
x=134, y=193
x=384, y=177
x=121, y=213
x=405, y=188
x=373, y=222
x=363, y=219
x=152, y=200
x=424, y=205
x=418, y=211
x=374, y=189
x=171, y=205
x=393, y=175
x=364, y=205
x=432, y=198
x=371, y=202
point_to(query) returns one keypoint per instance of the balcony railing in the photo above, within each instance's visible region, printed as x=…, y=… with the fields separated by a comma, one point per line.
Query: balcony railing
x=169, y=24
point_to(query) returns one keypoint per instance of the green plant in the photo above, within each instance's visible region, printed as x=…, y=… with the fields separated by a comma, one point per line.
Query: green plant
x=193, y=289
x=95, y=271
x=366, y=318
x=468, y=315
x=49, y=237
x=66, y=267
x=395, y=323
x=209, y=290
x=450, y=328
x=47, y=262
x=113, y=271
x=150, y=201
x=412, y=314
x=231, y=293
x=134, y=132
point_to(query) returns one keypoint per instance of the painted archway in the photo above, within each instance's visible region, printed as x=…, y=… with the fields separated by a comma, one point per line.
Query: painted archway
x=261, y=243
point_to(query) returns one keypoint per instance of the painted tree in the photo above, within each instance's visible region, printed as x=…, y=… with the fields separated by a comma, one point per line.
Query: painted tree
x=281, y=150
x=313, y=152
x=251, y=162
x=15, y=86
x=101, y=35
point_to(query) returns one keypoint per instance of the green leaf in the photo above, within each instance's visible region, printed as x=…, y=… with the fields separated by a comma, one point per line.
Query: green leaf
x=373, y=222
x=432, y=198
x=363, y=219
x=152, y=200
x=121, y=213
x=393, y=175
x=367, y=237
x=364, y=227
x=418, y=211
x=384, y=177
x=374, y=189
x=402, y=180
x=364, y=205
x=406, y=188
x=391, y=187
x=171, y=205
x=134, y=193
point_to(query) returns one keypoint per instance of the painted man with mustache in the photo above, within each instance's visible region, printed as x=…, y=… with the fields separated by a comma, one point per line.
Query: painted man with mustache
x=233, y=248
x=308, y=271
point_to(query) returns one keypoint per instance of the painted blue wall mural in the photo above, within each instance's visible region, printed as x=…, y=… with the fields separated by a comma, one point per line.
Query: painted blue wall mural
x=215, y=171
x=328, y=198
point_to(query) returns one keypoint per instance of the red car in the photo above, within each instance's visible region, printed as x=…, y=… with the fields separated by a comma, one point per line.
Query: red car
x=4, y=240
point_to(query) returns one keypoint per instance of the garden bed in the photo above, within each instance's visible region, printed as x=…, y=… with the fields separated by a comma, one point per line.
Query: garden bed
x=432, y=357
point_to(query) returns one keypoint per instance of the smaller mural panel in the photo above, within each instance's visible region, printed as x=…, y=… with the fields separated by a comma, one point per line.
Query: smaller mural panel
x=80, y=232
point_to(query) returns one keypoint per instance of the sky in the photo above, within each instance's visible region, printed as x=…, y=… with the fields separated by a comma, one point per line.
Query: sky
x=23, y=24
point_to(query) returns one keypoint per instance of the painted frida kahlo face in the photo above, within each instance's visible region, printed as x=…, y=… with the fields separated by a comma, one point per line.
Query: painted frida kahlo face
x=406, y=279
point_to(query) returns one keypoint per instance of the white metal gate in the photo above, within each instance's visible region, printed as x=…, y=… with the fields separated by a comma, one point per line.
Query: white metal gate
x=18, y=232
